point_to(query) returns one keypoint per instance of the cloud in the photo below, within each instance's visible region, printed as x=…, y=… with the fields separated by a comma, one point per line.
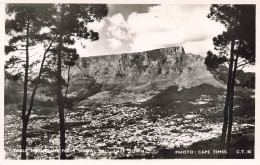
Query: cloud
x=118, y=27
x=162, y=26
x=127, y=9
x=199, y=47
x=117, y=31
x=96, y=25
x=115, y=43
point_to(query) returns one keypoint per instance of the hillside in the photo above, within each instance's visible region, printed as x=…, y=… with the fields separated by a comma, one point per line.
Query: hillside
x=146, y=70
x=244, y=79
x=139, y=73
x=137, y=105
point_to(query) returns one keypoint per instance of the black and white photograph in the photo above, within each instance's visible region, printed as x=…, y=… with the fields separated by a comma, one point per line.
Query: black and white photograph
x=92, y=81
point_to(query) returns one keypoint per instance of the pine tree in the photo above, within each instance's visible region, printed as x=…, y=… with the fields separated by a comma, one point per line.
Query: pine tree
x=70, y=59
x=69, y=23
x=239, y=21
x=25, y=29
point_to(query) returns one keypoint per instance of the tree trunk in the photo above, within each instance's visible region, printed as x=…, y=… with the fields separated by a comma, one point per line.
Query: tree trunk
x=231, y=107
x=38, y=81
x=24, y=129
x=60, y=101
x=225, y=111
x=23, y=143
x=68, y=81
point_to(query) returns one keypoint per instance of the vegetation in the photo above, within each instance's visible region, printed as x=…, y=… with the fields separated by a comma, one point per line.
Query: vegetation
x=64, y=24
x=25, y=30
x=171, y=101
x=110, y=121
x=239, y=21
x=213, y=61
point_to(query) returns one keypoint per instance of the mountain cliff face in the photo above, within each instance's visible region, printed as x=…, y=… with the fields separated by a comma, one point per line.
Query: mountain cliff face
x=149, y=70
x=137, y=77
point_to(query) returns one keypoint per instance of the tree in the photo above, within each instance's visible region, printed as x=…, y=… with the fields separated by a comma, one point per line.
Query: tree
x=212, y=61
x=239, y=21
x=69, y=23
x=25, y=29
x=70, y=60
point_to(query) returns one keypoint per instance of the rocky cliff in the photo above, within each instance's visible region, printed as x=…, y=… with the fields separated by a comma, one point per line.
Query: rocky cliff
x=155, y=69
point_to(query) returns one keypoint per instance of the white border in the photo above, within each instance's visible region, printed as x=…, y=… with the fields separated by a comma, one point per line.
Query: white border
x=255, y=161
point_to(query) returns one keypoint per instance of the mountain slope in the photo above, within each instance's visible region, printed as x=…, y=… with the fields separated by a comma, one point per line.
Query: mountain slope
x=155, y=69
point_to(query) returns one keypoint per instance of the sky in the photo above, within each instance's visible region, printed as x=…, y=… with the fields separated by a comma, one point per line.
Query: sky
x=139, y=27
x=134, y=28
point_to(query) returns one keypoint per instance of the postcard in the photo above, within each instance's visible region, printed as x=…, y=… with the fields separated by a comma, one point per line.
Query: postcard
x=98, y=80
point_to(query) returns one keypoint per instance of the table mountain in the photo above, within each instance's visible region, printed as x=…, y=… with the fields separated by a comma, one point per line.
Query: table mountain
x=154, y=69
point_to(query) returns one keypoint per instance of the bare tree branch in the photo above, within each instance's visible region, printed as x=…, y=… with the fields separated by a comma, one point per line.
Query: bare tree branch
x=240, y=70
x=242, y=64
x=34, y=54
x=39, y=78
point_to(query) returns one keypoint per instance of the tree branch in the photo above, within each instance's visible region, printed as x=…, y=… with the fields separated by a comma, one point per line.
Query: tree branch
x=38, y=80
x=242, y=64
x=34, y=54
x=240, y=70
x=227, y=47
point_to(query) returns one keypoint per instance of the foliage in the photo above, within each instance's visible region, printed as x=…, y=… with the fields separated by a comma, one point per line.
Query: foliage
x=213, y=61
x=26, y=14
x=24, y=27
x=171, y=101
x=239, y=21
x=69, y=22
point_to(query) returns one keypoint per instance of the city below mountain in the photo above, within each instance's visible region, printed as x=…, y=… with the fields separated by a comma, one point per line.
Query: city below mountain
x=155, y=103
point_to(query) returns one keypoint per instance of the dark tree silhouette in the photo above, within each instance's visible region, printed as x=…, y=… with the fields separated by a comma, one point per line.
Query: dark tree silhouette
x=25, y=29
x=239, y=21
x=69, y=23
x=213, y=61
x=70, y=60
